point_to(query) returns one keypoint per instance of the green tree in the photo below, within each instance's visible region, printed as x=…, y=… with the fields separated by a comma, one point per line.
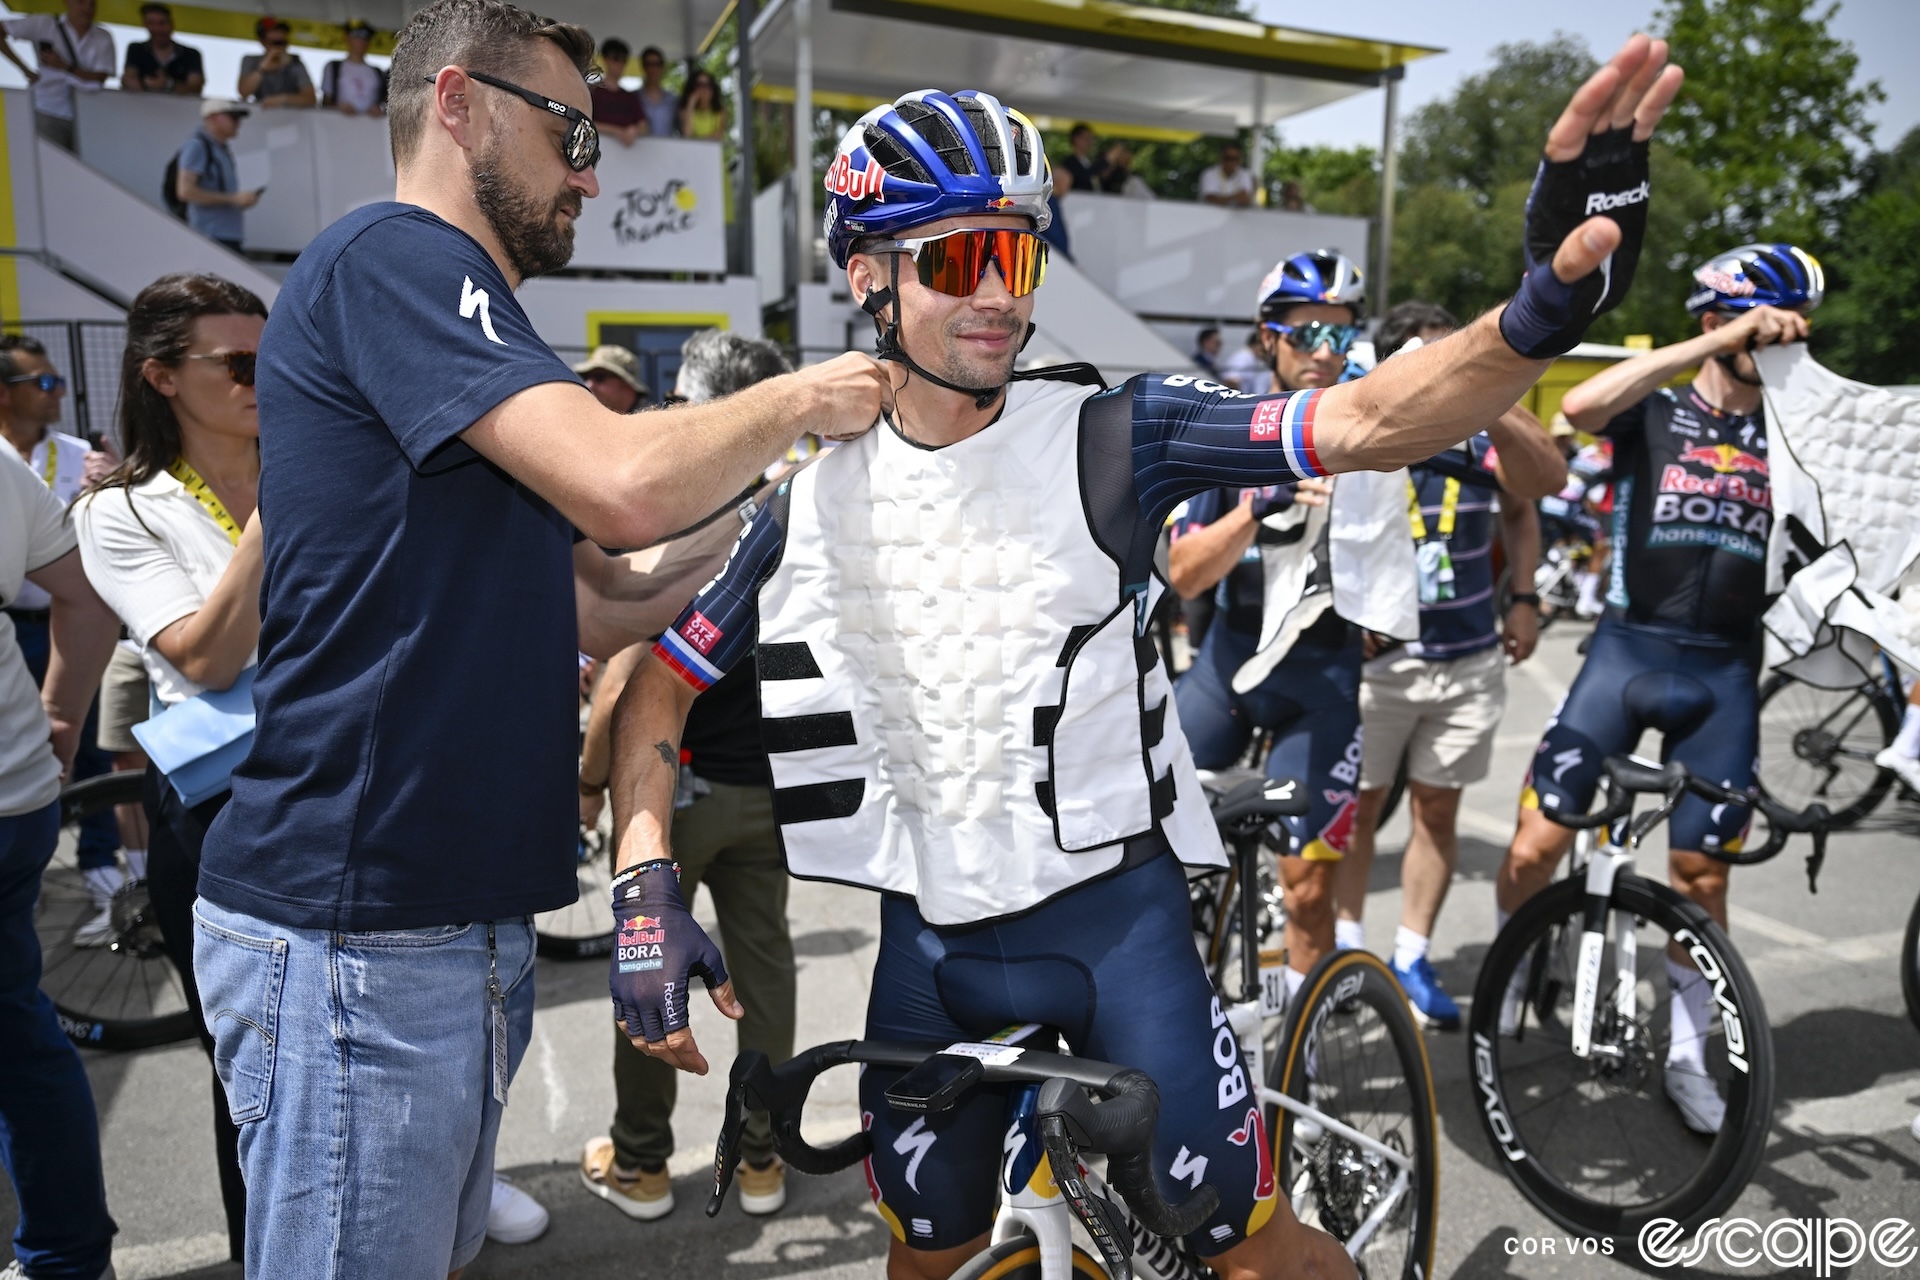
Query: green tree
x=1489, y=131
x=1771, y=115
x=1865, y=330
x=1339, y=180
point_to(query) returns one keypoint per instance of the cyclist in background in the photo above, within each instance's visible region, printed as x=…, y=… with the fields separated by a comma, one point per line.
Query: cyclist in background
x=1308, y=313
x=1680, y=645
x=960, y=705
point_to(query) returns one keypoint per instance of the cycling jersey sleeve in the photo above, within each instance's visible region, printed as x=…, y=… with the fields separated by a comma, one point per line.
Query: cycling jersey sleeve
x=719, y=628
x=1191, y=434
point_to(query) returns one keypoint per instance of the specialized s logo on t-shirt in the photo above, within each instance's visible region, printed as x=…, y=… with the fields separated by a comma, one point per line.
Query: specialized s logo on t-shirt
x=472, y=300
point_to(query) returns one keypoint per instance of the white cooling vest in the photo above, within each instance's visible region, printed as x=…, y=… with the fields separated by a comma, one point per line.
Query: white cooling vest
x=959, y=699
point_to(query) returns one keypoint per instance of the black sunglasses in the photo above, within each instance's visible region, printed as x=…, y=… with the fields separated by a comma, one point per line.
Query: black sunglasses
x=581, y=147
x=240, y=364
x=47, y=382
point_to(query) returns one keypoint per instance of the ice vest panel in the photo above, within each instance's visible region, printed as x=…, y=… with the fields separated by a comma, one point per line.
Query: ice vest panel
x=959, y=699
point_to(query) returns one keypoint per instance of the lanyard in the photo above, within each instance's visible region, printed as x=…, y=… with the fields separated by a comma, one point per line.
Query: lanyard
x=1449, y=509
x=52, y=468
x=190, y=479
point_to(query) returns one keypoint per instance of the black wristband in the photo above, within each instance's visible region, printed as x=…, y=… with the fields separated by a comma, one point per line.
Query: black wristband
x=1525, y=597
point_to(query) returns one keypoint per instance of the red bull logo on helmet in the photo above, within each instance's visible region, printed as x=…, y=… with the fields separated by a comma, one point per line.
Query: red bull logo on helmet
x=856, y=184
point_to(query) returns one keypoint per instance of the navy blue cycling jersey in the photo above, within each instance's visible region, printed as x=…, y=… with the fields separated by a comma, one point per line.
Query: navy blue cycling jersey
x=1692, y=510
x=1189, y=435
x=1240, y=596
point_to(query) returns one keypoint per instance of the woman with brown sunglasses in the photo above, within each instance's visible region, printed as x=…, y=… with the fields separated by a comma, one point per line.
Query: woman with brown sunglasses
x=171, y=541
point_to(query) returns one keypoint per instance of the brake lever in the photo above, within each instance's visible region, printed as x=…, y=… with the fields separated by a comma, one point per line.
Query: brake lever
x=1101, y=1220
x=726, y=1154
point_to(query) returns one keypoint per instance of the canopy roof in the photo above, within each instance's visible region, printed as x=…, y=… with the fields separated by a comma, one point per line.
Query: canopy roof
x=1164, y=72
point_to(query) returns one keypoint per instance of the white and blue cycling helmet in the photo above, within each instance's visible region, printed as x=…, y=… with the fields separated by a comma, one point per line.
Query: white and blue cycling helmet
x=1325, y=275
x=933, y=155
x=1758, y=275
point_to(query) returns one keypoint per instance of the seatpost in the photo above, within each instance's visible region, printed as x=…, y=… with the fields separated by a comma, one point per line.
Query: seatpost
x=1246, y=853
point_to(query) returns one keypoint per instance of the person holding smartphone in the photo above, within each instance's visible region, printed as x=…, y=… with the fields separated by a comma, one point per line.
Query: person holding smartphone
x=207, y=178
x=75, y=56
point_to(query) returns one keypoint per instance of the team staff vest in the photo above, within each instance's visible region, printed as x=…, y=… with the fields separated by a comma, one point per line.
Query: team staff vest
x=961, y=701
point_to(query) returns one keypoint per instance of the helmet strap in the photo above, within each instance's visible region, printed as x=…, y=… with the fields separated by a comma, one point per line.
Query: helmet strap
x=1732, y=365
x=887, y=344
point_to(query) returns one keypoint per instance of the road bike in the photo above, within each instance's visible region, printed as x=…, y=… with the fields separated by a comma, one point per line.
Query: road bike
x=1346, y=1105
x=1910, y=965
x=1569, y=1033
x=125, y=993
x=1819, y=744
x=583, y=930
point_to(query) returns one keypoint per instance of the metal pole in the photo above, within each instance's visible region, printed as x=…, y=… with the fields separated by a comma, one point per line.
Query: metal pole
x=1257, y=154
x=803, y=141
x=743, y=104
x=1389, y=178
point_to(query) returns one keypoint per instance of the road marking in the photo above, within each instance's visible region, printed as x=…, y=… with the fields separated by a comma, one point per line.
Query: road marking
x=1550, y=684
x=169, y=1257
x=1877, y=1110
x=1776, y=930
x=556, y=1085
x=1494, y=830
x=1870, y=950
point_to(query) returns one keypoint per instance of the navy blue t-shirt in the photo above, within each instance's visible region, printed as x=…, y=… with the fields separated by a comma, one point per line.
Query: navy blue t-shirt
x=1467, y=623
x=417, y=691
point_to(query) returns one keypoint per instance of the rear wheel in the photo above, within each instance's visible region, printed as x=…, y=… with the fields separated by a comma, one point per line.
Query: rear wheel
x=1819, y=744
x=1594, y=1142
x=1352, y=1051
x=583, y=930
x=122, y=993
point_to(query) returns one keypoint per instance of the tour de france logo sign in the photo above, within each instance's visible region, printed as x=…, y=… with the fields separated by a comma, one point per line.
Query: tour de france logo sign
x=646, y=214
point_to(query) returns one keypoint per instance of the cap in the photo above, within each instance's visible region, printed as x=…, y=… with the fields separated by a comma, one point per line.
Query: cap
x=359, y=27
x=618, y=361
x=1560, y=426
x=222, y=107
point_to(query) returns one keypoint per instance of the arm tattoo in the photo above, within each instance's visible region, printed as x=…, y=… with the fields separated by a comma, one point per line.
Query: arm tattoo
x=668, y=756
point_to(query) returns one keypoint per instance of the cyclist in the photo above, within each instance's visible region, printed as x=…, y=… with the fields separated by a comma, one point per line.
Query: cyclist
x=960, y=706
x=1679, y=647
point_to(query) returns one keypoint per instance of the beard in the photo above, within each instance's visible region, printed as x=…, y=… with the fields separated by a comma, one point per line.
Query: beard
x=527, y=224
x=980, y=373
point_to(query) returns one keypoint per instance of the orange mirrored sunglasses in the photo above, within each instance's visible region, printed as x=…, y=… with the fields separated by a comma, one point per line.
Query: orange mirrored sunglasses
x=956, y=263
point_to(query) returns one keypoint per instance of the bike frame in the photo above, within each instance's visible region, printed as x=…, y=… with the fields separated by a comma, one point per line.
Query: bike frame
x=1604, y=864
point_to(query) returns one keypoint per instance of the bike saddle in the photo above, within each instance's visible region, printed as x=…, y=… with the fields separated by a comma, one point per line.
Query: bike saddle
x=1258, y=796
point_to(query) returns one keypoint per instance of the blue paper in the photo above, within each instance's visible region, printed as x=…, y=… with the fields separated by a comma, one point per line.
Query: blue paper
x=197, y=743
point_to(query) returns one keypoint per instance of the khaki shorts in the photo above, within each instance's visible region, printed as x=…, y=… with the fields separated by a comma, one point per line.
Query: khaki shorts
x=123, y=700
x=1441, y=715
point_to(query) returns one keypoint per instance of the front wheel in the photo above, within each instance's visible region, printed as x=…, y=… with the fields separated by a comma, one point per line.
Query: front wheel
x=1353, y=1053
x=1910, y=965
x=1019, y=1259
x=1595, y=1143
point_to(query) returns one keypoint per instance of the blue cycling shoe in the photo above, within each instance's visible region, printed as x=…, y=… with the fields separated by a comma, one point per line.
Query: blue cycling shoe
x=1430, y=1001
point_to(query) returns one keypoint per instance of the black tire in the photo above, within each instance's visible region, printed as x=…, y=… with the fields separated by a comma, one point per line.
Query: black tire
x=123, y=995
x=1219, y=921
x=1349, y=1040
x=1819, y=744
x=1910, y=965
x=1019, y=1259
x=583, y=931
x=1571, y=1150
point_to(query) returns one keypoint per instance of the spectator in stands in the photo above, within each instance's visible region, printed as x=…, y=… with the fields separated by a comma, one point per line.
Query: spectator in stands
x=350, y=85
x=208, y=182
x=172, y=542
x=1228, y=182
x=1206, y=351
x=661, y=107
x=723, y=836
x=1056, y=232
x=1117, y=178
x=157, y=64
x=703, y=112
x=1248, y=369
x=1293, y=200
x=51, y=1150
x=613, y=375
x=1081, y=163
x=617, y=112
x=75, y=56
x=277, y=77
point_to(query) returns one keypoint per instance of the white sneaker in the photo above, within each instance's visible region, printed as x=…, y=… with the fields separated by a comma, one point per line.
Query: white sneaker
x=1906, y=766
x=513, y=1217
x=15, y=1271
x=97, y=929
x=1697, y=1096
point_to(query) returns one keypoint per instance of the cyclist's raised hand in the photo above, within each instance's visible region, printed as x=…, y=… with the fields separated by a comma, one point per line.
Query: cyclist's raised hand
x=658, y=949
x=1761, y=327
x=853, y=390
x=1587, y=214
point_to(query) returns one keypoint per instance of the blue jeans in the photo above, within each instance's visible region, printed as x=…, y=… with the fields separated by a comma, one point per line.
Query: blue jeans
x=358, y=1067
x=99, y=832
x=49, y=1134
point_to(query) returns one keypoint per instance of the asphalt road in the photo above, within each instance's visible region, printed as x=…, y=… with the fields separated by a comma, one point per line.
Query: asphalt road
x=1848, y=1087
